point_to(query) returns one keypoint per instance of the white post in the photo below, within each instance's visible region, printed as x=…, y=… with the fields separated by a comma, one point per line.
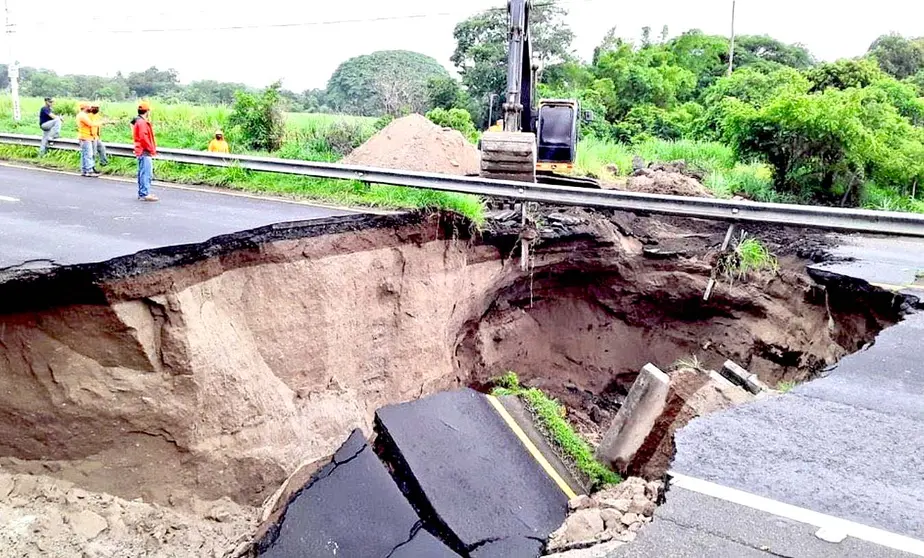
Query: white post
x=13, y=64
x=731, y=52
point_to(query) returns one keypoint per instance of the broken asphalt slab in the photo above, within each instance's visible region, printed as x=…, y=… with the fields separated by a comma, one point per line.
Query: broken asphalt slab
x=469, y=476
x=350, y=507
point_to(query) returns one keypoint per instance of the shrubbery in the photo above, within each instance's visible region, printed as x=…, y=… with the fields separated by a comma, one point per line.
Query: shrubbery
x=258, y=121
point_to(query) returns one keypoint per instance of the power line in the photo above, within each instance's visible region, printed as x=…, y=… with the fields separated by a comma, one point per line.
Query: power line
x=285, y=25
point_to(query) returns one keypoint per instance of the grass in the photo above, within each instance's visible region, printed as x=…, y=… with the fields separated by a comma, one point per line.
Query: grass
x=551, y=417
x=785, y=386
x=311, y=137
x=724, y=175
x=748, y=256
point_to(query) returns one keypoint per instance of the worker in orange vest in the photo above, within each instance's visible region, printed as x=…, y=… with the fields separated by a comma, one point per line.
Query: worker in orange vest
x=219, y=145
x=87, y=141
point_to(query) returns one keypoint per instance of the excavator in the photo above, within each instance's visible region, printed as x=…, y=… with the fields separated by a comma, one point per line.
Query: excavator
x=534, y=142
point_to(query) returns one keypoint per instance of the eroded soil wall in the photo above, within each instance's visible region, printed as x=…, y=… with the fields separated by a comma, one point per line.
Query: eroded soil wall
x=217, y=370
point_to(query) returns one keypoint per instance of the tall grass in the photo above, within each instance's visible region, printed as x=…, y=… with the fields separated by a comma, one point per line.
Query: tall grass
x=313, y=137
x=724, y=175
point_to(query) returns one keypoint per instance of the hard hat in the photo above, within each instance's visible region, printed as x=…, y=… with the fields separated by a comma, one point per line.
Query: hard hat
x=84, y=105
x=144, y=105
x=218, y=132
x=94, y=105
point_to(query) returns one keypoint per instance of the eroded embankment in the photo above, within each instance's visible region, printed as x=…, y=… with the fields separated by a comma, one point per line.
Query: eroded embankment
x=213, y=371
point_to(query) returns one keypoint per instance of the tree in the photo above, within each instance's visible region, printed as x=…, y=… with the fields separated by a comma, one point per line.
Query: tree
x=4, y=76
x=259, y=119
x=706, y=56
x=209, y=92
x=153, y=82
x=898, y=56
x=844, y=74
x=754, y=49
x=457, y=119
x=481, y=48
x=385, y=82
x=447, y=93
x=627, y=77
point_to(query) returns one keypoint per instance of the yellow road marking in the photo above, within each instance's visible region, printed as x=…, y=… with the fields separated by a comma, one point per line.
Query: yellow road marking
x=531, y=448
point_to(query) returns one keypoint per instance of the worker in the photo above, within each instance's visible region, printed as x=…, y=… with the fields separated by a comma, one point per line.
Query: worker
x=98, y=148
x=497, y=127
x=86, y=141
x=145, y=150
x=50, y=123
x=219, y=145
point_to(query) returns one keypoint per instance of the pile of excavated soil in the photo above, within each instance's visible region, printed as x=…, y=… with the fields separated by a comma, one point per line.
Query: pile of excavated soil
x=666, y=181
x=414, y=143
x=45, y=517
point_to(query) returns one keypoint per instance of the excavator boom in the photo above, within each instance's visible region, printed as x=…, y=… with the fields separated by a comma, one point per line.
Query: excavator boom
x=511, y=154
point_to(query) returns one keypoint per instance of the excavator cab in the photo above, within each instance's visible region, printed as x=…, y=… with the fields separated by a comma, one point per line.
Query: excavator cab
x=557, y=136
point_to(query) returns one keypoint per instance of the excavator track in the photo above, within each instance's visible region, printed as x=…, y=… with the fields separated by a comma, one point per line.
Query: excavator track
x=575, y=181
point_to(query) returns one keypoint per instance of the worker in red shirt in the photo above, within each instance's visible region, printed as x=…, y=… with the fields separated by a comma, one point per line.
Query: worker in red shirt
x=145, y=150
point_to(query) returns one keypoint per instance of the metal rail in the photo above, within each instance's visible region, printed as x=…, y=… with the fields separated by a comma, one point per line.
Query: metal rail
x=860, y=220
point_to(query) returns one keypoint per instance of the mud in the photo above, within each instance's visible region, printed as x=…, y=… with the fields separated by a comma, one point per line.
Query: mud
x=209, y=373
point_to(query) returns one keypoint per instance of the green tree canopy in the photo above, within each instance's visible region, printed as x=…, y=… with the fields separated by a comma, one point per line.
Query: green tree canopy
x=898, y=56
x=481, y=47
x=385, y=82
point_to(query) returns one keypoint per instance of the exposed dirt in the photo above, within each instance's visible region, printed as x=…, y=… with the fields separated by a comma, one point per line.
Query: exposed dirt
x=656, y=181
x=199, y=373
x=417, y=144
x=45, y=517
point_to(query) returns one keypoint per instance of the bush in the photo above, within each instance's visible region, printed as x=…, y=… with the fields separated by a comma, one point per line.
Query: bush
x=343, y=137
x=383, y=121
x=259, y=121
x=457, y=119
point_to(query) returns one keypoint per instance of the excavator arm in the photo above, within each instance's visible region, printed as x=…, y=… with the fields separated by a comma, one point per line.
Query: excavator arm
x=511, y=154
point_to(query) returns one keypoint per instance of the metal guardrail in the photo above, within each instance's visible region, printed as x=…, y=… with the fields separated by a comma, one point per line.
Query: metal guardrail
x=860, y=220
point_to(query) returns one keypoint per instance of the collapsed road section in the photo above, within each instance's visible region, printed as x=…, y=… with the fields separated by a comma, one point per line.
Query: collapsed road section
x=194, y=380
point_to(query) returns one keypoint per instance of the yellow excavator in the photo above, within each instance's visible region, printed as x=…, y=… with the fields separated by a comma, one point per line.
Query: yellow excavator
x=534, y=142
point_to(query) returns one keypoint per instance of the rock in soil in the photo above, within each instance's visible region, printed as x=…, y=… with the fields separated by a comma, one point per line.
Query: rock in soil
x=610, y=516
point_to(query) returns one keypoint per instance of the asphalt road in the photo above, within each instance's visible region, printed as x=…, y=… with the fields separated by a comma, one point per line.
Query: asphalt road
x=847, y=445
x=889, y=261
x=49, y=219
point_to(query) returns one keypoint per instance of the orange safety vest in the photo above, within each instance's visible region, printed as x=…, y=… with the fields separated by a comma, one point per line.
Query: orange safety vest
x=219, y=146
x=85, y=127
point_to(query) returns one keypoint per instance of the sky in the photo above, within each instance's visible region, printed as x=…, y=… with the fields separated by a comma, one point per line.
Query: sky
x=302, y=43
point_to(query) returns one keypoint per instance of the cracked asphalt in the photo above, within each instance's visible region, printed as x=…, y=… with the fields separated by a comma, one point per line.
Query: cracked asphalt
x=351, y=507
x=51, y=219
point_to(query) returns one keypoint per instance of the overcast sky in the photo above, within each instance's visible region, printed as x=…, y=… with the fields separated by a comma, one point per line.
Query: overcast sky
x=267, y=39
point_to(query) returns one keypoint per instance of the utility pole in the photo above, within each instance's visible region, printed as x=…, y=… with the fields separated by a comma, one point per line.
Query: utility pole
x=731, y=51
x=491, y=98
x=13, y=64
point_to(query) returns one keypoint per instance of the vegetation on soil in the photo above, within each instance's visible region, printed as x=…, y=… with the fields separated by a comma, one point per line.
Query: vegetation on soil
x=551, y=418
x=785, y=386
x=748, y=256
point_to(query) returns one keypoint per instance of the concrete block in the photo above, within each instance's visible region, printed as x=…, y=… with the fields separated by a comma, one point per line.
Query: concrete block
x=643, y=406
x=741, y=377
